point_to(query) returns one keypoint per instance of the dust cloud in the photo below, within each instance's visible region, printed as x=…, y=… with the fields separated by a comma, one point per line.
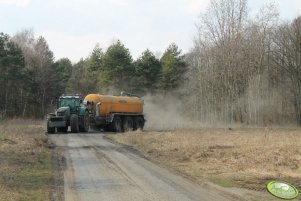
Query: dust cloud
x=165, y=112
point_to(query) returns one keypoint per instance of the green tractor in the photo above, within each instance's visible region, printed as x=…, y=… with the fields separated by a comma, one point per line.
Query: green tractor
x=70, y=112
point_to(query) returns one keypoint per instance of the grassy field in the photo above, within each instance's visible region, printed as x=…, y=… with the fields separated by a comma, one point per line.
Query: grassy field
x=245, y=158
x=25, y=161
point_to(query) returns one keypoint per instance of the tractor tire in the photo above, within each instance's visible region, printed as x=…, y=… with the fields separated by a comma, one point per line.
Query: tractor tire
x=50, y=130
x=138, y=123
x=85, y=123
x=74, y=123
x=116, y=125
x=62, y=129
x=128, y=124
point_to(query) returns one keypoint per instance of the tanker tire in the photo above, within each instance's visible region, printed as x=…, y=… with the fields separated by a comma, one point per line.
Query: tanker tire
x=50, y=130
x=138, y=123
x=74, y=123
x=62, y=129
x=128, y=124
x=116, y=125
x=85, y=123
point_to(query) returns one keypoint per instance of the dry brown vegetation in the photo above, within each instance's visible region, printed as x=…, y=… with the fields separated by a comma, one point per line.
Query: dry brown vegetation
x=247, y=158
x=25, y=161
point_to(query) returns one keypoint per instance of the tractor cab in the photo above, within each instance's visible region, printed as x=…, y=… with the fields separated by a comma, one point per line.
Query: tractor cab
x=72, y=102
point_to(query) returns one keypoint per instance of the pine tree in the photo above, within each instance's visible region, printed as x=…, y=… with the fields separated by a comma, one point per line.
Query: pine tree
x=173, y=68
x=12, y=76
x=147, y=69
x=93, y=67
x=118, y=69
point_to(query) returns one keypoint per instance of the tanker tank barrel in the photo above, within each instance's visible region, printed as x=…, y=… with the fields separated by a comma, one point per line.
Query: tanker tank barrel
x=116, y=113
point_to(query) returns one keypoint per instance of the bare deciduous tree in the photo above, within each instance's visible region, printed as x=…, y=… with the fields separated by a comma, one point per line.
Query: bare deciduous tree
x=287, y=57
x=233, y=78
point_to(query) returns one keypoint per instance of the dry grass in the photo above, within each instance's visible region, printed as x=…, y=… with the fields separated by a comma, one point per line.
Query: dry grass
x=247, y=158
x=25, y=161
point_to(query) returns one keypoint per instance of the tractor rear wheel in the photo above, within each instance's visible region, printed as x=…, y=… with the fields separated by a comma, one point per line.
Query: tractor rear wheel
x=74, y=123
x=85, y=123
x=50, y=130
x=128, y=124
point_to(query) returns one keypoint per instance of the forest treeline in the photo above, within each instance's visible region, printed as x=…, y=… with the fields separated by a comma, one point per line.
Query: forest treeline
x=242, y=69
x=31, y=79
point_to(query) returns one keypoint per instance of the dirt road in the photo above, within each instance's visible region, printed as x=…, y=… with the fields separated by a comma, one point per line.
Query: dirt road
x=100, y=170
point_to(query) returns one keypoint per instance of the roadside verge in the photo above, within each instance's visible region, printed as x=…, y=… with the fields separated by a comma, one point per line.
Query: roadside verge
x=26, y=161
x=239, y=161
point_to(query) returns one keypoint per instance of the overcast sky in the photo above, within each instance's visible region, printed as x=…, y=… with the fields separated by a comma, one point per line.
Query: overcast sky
x=73, y=27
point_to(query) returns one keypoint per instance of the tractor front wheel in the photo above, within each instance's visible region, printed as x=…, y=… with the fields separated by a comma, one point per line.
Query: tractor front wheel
x=74, y=123
x=50, y=130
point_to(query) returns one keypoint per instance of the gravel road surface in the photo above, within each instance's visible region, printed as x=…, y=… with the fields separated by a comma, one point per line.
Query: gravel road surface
x=97, y=169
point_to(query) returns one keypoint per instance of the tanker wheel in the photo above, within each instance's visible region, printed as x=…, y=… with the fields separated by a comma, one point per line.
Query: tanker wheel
x=74, y=123
x=138, y=123
x=50, y=130
x=85, y=123
x=116, y=125
x=128, y=124
x=62, y=129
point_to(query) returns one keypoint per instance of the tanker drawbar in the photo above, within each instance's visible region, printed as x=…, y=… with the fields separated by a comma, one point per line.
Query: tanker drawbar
x=115, y=113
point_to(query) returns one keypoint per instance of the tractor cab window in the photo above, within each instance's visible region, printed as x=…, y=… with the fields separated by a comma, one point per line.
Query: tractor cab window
x=65, y=102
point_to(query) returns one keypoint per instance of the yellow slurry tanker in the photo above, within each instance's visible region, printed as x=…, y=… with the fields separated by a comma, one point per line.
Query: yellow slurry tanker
x=115, y=113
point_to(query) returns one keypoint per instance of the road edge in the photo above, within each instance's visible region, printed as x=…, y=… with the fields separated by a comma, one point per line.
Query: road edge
x=59, y=165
